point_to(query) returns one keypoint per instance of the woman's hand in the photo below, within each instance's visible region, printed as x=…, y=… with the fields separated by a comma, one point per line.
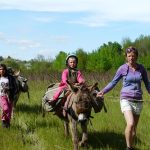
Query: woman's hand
x=100, y=94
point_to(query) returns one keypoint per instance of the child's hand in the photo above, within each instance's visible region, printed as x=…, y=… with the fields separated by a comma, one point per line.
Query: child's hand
x=77, y=84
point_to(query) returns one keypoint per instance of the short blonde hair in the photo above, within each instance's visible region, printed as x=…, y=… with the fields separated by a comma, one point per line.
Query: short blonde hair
x=131, y=49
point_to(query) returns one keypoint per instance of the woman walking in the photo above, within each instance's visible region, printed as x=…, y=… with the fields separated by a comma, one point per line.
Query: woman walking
x=7, y=92
x=131, y=101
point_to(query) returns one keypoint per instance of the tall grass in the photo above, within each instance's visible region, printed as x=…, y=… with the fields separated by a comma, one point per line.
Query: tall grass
x=30, y=131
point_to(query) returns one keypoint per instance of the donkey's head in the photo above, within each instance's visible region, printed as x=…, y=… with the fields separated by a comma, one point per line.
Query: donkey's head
x=97, y=102
x=21, y=82
x=80, y=102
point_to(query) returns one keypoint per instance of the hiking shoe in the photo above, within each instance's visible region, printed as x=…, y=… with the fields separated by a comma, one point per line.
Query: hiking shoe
x=5, y=124
x=52, y=102
x=129, y=148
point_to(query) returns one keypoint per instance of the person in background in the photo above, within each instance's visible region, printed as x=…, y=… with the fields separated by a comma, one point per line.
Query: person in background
x=131, y=101
x=7, y=92
x=71, y=73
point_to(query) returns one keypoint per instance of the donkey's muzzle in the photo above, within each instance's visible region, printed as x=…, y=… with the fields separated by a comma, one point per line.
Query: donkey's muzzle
x=82, y=118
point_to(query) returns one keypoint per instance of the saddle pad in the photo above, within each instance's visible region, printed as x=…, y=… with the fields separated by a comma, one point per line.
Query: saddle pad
x=49, y=96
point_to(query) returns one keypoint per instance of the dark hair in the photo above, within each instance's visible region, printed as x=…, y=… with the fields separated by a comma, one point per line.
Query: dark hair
x=131, y=49
x=5, y=68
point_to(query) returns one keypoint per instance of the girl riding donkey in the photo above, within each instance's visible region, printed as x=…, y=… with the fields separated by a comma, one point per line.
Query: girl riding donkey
x=72, y=74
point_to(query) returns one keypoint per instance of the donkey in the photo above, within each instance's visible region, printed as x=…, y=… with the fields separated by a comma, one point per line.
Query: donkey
x=20, y=82
x=75, y=108
x=22, y=86
x=80, y=103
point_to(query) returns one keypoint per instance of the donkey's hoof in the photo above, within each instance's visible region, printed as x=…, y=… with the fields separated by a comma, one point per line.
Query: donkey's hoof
x=83, y=144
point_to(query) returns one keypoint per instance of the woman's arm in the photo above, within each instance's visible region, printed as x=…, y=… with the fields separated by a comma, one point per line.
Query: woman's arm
x=145, y=79
x=113, y=83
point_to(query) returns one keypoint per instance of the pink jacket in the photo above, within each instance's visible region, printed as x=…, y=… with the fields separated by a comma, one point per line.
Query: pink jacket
x=64, y=77
x=63, y=83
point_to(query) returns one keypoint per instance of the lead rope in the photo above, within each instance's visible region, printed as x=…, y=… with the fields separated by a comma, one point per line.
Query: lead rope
x=96, y=137
x=95, y=132
x=90, y=121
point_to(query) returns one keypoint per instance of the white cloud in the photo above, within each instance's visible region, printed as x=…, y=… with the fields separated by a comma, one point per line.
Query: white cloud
x=28, y=47
x=44, y=19
x=61, y=39
x=2, y=36
x=93, y=13
x=23, y=44
x=47, y=5
x=91, y=21
x=47, y=53
x=100, y=12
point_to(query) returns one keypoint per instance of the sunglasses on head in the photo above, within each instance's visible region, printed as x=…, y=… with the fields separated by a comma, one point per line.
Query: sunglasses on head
x=128, y=50
x=131, y=49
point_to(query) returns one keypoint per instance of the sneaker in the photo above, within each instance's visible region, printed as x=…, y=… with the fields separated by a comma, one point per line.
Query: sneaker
x=5, y=124
x=129, y=148
x=52, y=102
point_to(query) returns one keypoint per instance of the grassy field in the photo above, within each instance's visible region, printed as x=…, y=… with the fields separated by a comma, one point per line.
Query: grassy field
x=30, y=131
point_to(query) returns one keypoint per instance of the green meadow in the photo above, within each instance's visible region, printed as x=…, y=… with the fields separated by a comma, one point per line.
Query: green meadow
x=30, y=131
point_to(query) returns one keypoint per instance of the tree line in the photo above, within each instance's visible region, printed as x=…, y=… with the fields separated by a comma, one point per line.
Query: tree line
x=108, y=56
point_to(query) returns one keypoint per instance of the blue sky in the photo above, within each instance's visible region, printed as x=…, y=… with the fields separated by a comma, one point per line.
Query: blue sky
x=30, y=28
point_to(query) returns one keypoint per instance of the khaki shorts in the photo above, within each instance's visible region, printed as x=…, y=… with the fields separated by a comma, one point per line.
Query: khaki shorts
x=134, y=106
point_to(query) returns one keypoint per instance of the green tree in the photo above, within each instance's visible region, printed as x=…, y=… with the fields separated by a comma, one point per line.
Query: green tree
x=1, y=58
x=92, y=61
x=59, y=62
x=82, y=57
x=142, y=43
x=111, y=55
x=126, y=42
x=10, y=62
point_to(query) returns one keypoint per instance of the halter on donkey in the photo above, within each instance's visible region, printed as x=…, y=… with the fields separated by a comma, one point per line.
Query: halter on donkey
x=78, y=107
x=20, y=82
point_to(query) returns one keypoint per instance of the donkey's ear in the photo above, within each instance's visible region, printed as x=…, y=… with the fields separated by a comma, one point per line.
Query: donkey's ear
x=94, y=86
x=17, y=73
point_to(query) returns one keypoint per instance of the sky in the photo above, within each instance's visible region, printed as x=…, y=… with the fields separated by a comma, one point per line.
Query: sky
x=29, y=28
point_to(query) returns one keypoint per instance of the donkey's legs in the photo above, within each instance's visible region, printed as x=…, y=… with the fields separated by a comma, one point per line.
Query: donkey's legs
x=84, y=141
x=43, y=110
x=73, y=128
x=66, y=126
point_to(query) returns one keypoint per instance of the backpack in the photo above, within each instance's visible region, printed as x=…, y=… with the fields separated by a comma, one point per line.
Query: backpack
x=13, y=88
x=49, y=96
